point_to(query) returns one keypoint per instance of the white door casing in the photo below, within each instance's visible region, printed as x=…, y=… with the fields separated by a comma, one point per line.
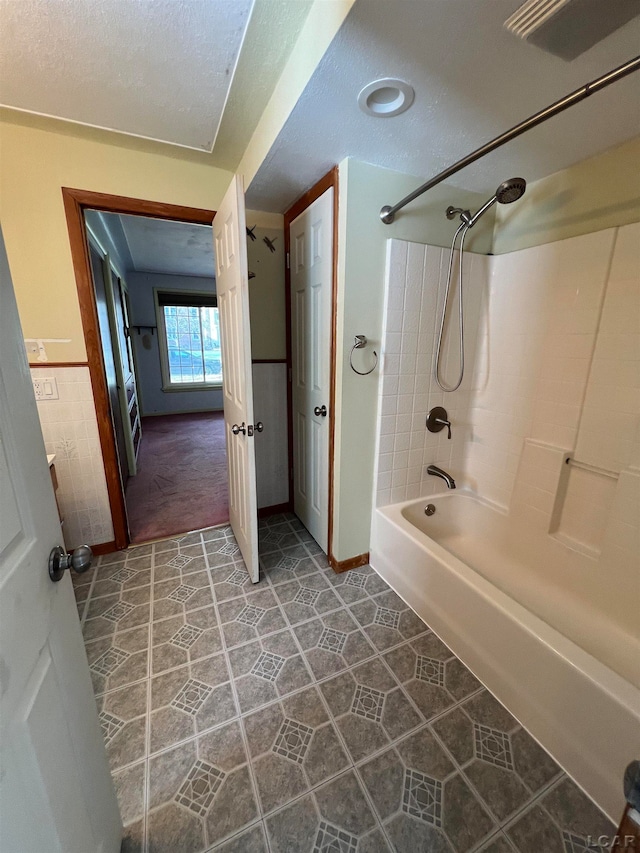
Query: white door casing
x=311, y=274
x=232, y=288
x=56, y=792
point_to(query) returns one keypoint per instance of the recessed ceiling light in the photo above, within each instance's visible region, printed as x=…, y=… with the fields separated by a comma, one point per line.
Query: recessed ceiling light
x=386, y=98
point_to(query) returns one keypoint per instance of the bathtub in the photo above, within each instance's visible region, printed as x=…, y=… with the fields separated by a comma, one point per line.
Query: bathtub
x=537, y=623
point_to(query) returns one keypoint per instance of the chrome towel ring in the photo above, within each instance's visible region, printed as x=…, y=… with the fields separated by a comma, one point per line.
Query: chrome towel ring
x=359, y=343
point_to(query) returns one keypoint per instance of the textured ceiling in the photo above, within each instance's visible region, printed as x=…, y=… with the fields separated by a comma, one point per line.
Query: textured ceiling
x=156, y=69
x=473, y=80
x=158, y=245
x=160, y=69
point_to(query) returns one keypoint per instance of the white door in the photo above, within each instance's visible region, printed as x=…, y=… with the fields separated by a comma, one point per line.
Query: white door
x=56, y=793
x=232, y=288
x=311, y=272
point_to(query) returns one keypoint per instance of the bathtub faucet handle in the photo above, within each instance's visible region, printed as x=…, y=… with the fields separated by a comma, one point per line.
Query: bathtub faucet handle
x=437, y=419
x=447, y=424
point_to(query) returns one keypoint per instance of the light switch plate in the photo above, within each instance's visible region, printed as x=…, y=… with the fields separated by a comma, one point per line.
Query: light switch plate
x=46, y=388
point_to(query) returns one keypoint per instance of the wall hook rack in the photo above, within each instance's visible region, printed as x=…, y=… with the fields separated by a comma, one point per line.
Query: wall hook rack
x=360, y=342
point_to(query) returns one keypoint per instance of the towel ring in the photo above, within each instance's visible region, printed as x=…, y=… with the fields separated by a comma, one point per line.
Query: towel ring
x=360, y=343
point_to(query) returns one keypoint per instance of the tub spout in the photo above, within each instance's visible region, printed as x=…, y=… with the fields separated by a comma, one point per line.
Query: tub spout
x=438, y=472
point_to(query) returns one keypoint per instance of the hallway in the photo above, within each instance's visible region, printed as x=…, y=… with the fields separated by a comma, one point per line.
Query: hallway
x=181, y=483
x=312, y=712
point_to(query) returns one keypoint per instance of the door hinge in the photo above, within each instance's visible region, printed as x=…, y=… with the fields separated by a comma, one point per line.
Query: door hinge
x=287, y=260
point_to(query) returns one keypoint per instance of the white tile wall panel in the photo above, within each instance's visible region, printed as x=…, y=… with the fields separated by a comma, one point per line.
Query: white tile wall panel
x=414, y=296
x=70, y=430
x=271, y=445
x=552, y=369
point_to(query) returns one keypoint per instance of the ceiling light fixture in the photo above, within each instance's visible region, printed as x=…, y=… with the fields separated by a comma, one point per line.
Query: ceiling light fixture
x=386, y=97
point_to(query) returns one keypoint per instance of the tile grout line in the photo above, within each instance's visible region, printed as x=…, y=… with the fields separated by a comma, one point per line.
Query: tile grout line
x=306, y=687
x=472, y=788
x=236, y=701
x=313, y=684
x=501, y=824
x=336, y=728
x=147, y=746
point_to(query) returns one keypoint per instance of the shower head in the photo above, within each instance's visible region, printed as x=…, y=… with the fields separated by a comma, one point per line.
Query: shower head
x=511, y=190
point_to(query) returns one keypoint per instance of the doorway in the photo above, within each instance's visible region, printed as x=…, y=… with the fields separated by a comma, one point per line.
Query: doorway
x=76, y=203
x=154, y=286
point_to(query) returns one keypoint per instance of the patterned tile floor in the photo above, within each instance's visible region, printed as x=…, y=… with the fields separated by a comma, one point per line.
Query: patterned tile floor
x=312, y=712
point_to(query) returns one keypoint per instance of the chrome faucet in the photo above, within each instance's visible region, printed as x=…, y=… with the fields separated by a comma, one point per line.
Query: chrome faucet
x=438, y=472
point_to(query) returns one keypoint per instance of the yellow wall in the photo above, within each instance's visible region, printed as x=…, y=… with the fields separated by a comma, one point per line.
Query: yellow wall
x=601, y=192
x=34, y=165
x=267, y=290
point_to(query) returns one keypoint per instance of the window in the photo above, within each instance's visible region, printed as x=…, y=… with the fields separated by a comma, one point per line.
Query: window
x=189, y=337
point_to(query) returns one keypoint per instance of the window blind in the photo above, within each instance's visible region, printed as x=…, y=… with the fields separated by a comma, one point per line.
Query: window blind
x=185, y=299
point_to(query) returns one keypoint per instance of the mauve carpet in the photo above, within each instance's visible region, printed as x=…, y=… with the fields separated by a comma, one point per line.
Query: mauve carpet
x=181, y=483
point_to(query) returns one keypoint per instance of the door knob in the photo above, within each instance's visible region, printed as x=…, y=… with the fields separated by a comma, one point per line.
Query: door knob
x=259, y=426
x=320, y=411
x=235, y=429
x=60, y=561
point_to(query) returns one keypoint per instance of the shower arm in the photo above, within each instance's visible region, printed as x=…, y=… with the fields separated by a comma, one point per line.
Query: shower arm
x=387, y=214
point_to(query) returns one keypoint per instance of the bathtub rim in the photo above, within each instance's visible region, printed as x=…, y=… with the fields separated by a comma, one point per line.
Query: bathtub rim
x=622, y=697
x=555, y=640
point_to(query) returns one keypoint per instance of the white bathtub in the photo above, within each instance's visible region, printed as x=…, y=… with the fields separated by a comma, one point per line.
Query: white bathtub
x=536, y=623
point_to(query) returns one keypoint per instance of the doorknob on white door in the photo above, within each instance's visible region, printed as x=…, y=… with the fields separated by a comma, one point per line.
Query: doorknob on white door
x=320, y=411
x=236, y=430
x=60, y=561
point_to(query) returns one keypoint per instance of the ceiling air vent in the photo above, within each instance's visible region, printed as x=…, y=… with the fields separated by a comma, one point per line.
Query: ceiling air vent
x=568, y=28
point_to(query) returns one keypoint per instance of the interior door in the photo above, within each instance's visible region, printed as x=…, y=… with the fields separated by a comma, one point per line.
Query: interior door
x=232, y=288
x=311, y=272
x=56, y=793
x=127, y=393
x=100, y=271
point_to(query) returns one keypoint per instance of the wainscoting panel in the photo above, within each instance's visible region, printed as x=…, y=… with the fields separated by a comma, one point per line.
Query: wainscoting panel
x=272, y=450
x=70, y=430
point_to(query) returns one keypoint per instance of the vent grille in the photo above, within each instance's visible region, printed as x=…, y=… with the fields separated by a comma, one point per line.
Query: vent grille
x=568, y=28
x=532, y=15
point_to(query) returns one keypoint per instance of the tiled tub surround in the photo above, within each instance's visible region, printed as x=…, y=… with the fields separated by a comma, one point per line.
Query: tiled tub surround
x=70, y=430
x=553, y=361
x=312, y=712
x=416, y=282
x=552, y=344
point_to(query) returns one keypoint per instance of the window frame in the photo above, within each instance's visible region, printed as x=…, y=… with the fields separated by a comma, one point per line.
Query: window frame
x=167, y=384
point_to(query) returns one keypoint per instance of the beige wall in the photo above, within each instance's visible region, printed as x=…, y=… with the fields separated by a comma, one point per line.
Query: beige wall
x=364, y=189
x=34, y=165
x=601, y=192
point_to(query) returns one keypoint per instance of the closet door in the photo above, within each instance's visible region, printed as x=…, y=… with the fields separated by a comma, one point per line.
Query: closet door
x=311, y=269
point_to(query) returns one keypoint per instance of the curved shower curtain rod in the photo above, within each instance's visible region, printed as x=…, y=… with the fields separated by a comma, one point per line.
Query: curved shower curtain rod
x=387, y=214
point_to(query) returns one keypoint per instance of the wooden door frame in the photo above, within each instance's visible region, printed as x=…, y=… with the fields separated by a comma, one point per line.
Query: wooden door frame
x=75, y=203
x=330, y=180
